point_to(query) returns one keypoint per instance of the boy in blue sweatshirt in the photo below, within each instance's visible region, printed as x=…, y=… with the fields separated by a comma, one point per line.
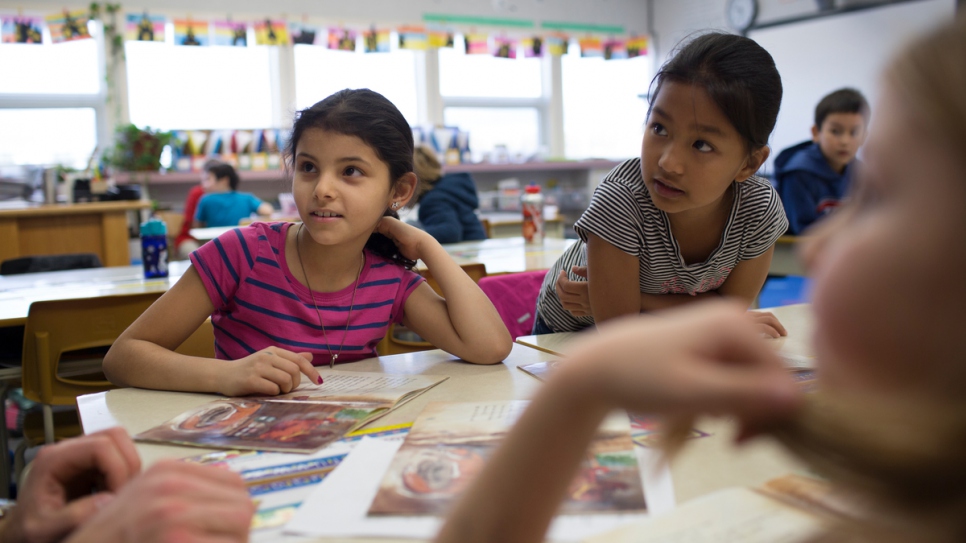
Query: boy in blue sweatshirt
x=813, y=176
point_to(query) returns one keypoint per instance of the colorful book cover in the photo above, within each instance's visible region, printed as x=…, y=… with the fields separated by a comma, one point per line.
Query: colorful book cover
x=533, y=47
x=636, y=46
x=591, y=48
x=342, y=39
x=505, y=47
x=557, y=44
x=301, y=421
x=440, y=37
x=68, y=26
x=190, y=32
x=376, y=40
x=19, y=29
x=450, y=443
x=615, y=50
x=144, y=27
x=412, y=37
x=270, y=32
x=302, y=34
x=477, y=44
x=230, y=33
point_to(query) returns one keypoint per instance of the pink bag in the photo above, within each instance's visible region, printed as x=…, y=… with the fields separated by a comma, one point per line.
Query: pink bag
x=515, y=297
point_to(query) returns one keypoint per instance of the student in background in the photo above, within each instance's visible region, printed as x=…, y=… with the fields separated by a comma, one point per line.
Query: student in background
x=285, y=296
x=222, y=205
x=184, y=244
x=688, y=219
x=889, y=420
x=447, y=203
x=813, y=176
x=91, y=489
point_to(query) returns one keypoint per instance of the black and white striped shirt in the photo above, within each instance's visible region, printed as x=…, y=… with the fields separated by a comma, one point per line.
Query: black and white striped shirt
x=622, y=213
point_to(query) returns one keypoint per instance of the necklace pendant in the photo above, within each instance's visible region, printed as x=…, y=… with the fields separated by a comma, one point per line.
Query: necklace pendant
x=332, y=360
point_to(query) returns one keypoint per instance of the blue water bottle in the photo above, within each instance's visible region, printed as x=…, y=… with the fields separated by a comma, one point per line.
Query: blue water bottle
x=154, y=248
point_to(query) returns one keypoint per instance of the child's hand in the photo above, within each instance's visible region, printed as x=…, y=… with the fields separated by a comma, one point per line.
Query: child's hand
x=574, y=295
x=767, y=323
x=407, y=237
x=270, y=372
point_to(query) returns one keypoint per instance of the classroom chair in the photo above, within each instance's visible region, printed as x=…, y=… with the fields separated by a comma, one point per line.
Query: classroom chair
x=401, y=340
x=45, y=263
x=515, y=297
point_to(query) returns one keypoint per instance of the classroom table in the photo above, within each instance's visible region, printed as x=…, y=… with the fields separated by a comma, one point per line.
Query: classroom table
x=706, y=464
x=17, y=292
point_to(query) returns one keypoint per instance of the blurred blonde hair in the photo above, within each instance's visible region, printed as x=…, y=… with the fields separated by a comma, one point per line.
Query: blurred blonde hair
x=428, y=169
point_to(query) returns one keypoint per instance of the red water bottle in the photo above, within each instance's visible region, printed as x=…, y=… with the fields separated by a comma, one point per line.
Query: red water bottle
x=532, y=204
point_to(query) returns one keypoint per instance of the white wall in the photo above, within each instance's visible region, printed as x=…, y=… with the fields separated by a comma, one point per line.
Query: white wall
x=631, y=14
x=813, y=57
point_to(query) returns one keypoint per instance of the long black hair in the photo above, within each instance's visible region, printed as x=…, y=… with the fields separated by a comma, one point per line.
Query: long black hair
x=372, y=118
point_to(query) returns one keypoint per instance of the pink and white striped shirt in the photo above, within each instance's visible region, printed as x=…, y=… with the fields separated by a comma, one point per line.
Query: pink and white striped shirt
x=259, y=303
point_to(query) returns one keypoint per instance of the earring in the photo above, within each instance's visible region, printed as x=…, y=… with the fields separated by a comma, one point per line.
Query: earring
x=395, y=205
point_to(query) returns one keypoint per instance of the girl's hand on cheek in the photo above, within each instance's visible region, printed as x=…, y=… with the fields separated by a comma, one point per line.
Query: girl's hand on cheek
x=407, y=238
x=269, y=371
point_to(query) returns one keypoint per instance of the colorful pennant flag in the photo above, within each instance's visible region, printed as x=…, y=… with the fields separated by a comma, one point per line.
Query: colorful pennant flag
x=615, y=50
x=229, y=33
x=477, y=44
x=270, y=32
x=301, y=34
x=412, y=37
x=144, y=27
x=533, y=47
x=20, y=29
x=636, y=46
x=376, y=41
x=190, y=32
x=557, y=44
x=505, y=47
x=440, y=37
x=591, y=48
x=342, y=39
x=68, y=26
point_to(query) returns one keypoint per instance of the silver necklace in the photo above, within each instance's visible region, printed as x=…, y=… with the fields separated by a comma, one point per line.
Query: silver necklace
x=298, y=251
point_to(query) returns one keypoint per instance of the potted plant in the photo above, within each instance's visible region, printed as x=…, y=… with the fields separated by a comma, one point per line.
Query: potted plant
x=139, y=150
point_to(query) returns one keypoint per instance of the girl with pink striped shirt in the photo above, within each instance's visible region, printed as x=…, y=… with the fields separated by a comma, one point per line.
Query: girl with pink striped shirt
x=285, y=297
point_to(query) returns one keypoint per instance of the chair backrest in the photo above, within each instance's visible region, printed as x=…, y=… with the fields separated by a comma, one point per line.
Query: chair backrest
x=56, y=327
x=45, y=263
x=515, y=297
x=475, y=271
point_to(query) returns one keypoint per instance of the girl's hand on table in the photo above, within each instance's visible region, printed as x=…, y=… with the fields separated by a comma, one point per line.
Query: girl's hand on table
x=767, y=324
x=268, y=372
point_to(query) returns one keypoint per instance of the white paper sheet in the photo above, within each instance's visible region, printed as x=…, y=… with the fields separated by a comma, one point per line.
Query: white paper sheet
x=338, y=506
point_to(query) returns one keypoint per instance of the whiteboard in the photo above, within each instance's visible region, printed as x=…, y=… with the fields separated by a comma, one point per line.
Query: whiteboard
x=849, y=50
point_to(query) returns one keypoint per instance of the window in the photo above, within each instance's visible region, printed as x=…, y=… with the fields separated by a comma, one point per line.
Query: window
x=173, y=87
x=603, y=106
x=50, y=68
x=485, y=76
x=65, y=136
x=320, y=72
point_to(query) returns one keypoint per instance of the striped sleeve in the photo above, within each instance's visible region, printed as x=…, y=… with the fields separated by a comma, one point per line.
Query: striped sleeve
x=614, y=213
x=410, y=281
x=769, y=224
x=224, y=262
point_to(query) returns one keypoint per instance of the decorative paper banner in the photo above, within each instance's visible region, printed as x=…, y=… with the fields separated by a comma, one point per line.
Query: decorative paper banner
x=22, y=29
x=477, y=44
x=230, y=33
x=302, y=34
x=342, y=39
x=591, y=48
x=615, y=50
x=144, y=27
x=376, y=41
x=636, y=46
x=505, y=47
x=440, y=37
x=270, y=32
x=533, y=47
x=412, y=37
x=68, y=26
x=556, y=44
x=189, y=32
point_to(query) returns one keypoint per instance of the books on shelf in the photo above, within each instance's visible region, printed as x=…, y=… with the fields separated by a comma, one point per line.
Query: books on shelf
x=304, y=420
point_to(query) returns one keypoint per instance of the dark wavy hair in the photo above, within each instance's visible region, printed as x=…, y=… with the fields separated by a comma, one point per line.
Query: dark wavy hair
x=372, y=118
x=738, y=74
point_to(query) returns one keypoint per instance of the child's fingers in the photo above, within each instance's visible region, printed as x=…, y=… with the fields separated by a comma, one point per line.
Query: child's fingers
x=579, y=271
x=768, y=319
x=299, y=363
x=310, y=371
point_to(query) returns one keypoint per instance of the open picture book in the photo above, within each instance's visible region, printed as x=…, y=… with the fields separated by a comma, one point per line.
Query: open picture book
x=304, y=420
x=449, y=444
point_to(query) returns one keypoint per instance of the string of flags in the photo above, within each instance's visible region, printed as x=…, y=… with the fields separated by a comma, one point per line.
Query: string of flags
x=69, y=25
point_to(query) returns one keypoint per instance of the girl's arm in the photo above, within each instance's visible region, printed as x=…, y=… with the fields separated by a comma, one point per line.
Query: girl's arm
x=143, y=356
x=745, y=282
x=463, y=322
x=692, y=361
x=613, y=280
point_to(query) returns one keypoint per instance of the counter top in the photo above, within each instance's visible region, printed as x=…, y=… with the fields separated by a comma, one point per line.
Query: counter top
x=26, y=209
